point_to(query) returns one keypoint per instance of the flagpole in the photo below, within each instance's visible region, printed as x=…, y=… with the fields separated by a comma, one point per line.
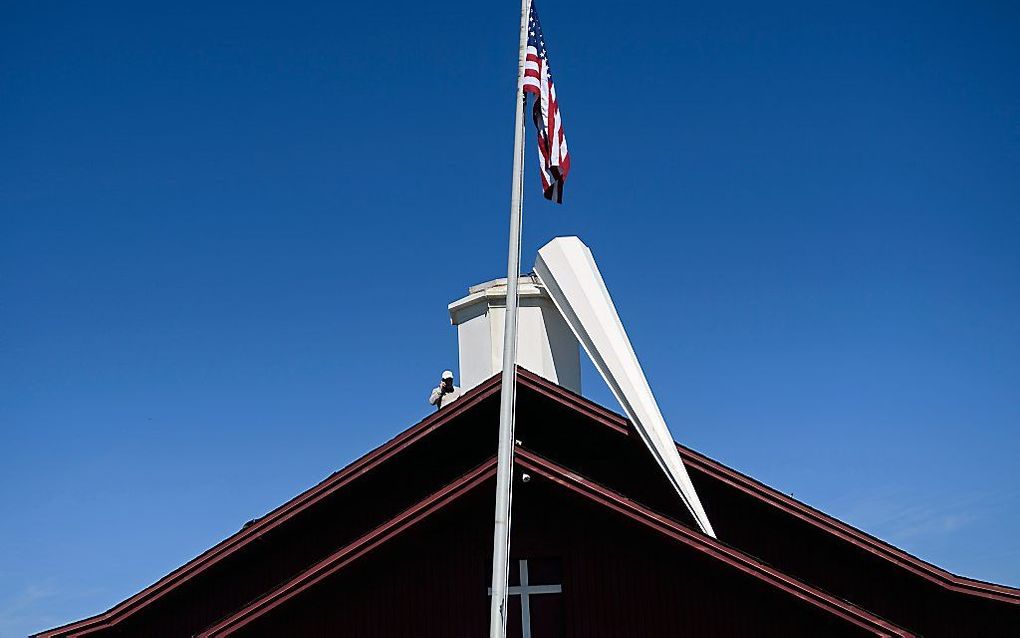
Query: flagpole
x=508, y=389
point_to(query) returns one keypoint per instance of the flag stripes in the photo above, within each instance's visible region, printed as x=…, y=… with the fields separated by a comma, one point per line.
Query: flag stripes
x=552, y=143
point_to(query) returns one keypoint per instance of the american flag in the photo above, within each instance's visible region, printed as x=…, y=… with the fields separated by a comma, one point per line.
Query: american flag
x=552, y=143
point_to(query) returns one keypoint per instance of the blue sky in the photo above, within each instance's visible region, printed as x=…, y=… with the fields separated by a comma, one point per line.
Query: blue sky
x=228, y=235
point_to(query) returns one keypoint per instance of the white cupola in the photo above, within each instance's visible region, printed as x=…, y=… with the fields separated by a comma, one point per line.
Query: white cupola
x=545, y=343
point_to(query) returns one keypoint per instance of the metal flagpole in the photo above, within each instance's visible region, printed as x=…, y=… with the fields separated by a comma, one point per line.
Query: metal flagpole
x=508, y=389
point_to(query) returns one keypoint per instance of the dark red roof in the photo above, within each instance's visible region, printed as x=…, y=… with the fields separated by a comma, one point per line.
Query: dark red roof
x=710, y=477
x=607, y=498
x=787, y=503
x=279, y=516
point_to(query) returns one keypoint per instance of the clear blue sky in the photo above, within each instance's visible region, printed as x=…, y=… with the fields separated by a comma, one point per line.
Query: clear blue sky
x=229, y=235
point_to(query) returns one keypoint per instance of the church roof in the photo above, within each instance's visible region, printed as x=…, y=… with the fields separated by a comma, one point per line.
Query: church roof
x=707, y=473
x=581, y=486
x=255, y=529
x=787, y=504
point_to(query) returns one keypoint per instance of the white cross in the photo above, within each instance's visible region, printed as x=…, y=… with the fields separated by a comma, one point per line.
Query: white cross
x=524, y=590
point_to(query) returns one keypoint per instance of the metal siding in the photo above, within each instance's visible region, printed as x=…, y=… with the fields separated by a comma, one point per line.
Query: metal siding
x=594, y=443
x=367, y=502
x=618, y=580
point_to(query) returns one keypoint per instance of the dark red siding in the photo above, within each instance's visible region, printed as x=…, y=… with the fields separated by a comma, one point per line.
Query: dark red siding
x=591, y=442
x=613, y=456
x=618, y=580
x=365, y=501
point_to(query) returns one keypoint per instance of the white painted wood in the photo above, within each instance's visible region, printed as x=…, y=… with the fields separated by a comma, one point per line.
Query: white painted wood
x=545, y=343
x=567, y=269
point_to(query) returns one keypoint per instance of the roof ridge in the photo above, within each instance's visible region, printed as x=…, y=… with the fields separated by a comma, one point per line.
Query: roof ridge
x=471, y=398
x=773, y=496
x=250, y=532
x=651, y=516
x=354, y=550
x=963, y=584
x=574, y=482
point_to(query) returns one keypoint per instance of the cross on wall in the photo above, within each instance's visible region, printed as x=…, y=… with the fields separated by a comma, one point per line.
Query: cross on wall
x=525, y=590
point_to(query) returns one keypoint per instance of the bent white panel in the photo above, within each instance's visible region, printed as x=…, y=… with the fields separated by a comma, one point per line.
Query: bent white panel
x=567, y=269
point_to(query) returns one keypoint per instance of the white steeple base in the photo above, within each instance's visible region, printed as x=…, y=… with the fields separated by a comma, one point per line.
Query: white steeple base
x=545, y=343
